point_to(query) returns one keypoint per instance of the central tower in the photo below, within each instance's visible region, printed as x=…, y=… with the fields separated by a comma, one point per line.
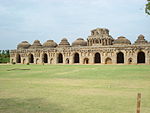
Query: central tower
x=100, y=36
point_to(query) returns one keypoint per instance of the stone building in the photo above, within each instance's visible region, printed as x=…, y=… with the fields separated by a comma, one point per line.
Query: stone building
x=100, y=48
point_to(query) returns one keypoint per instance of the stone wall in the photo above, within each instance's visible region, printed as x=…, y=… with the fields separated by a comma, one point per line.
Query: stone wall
x=100, y=48
x=108, y=54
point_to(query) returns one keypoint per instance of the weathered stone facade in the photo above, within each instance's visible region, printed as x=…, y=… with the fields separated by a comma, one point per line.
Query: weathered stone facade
x=100, y=48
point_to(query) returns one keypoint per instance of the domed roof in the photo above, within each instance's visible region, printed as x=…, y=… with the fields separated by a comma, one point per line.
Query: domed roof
x=23, y=45
x=121, y=41
x=50, y=43
x=79, y=42
x=141, y=40
x=64, y=43
x=36, y=44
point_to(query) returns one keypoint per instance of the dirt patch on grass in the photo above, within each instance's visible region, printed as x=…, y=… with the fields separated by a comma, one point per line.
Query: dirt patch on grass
x=17, y=69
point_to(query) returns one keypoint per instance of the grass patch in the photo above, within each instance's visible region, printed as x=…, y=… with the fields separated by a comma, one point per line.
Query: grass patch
x=73, y=88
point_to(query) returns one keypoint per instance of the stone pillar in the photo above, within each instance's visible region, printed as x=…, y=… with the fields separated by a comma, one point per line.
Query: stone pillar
x=108, y=42
x=146, y=58
x=71, y=59
x=125, y=59
x=134, y=58
x=114, y=58
x=102, y=59
x=104, y=41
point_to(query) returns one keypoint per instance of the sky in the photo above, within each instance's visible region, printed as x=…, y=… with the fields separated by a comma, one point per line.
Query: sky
x=29, y=20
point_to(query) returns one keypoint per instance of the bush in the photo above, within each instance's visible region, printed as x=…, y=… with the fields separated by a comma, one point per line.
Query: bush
x=28, y=63
x=13, y=63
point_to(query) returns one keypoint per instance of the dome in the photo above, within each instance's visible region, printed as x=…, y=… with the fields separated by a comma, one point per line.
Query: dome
x=79, y=42
x=64, y=43
x=23, y=45
x=141, y=40
x=121, y=41
x=50, y=43
x=36, y=44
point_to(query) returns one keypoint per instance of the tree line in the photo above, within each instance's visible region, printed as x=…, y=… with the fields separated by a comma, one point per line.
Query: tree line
x=4, y=56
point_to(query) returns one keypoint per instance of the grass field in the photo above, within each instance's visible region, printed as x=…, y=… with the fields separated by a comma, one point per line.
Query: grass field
x=73, y=88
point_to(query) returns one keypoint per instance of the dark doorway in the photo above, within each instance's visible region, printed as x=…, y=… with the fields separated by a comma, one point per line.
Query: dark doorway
x=86, y=61
x=60, y=58
x=120, y=57
x=67, y=61
x=97, y=58
x=130, y=61
x=141, y=57
x=45, y=58
x=31, y=58
x=18, y=58
x=76, y=58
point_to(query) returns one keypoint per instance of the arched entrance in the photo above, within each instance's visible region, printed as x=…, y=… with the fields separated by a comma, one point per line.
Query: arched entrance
x=141, y=57
x=67, y=61
x=76, y=58
x=60, y=58
x=130, y=61
x=45, y=58
x=120, y=57
x=24, y=61
x=51, y=61
x=18, y=58
x=97, y=58
x=108, y=61
x=37, y=61
x=31, y=58
x=86, y=61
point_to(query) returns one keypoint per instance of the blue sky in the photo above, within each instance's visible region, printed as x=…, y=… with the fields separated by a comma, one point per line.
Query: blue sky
x=55, y=19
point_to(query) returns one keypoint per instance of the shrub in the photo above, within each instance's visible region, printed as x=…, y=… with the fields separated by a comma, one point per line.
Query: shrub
x=28, y=63
x=13, y=63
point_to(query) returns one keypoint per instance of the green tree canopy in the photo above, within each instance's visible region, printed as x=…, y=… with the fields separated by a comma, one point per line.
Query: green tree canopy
x=147, y=8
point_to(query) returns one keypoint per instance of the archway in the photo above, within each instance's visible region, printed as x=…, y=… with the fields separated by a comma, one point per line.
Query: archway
x=108, y=61
x=76, y=58
x=18, y=58
x=45, y=58
x=97, y=58
x=130, y=61
x=86, y=61
x=31, y=58
x=51, y=61
x=24, y=61
x=120, y=57
x=141, y=57
x=67, y=61
x=37, y=61
x=60, y=58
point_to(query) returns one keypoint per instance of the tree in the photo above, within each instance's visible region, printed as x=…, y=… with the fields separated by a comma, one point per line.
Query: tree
x=147, y=8
x=7, y=53
x=3, y=52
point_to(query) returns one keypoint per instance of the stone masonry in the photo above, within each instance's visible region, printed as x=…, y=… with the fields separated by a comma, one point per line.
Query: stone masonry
x=100, y=48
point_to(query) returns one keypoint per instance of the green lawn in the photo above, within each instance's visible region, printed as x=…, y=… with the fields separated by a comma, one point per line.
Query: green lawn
x=74, y=88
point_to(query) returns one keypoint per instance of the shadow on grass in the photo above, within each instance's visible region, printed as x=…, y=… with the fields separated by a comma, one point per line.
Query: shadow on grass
x=33, y=105
x=17, y=69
